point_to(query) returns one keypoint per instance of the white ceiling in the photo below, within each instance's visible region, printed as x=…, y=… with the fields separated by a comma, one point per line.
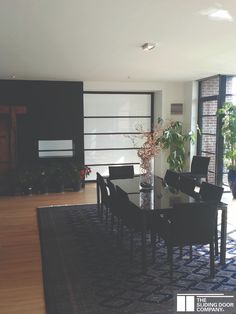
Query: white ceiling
x=100, y=40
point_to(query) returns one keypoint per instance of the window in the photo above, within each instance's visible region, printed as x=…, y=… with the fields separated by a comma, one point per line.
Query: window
x=213, y=92
x=108, y=119
x=55, y=148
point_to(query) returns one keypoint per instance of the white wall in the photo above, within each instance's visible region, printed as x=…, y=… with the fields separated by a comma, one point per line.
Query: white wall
x=190, y=114
x=165, y=94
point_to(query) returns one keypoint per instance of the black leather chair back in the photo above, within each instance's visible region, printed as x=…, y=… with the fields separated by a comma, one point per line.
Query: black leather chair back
x=112, y=197
x=200, y=165
x=187, y=185
x=121, y=172
x=172, y=178
x=131, y=214
x=103, y=189
x=193, y=223
x=210, y=192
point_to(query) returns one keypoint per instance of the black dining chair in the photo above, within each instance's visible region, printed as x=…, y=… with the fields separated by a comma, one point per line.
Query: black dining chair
x=199, y=168
x=172, y=178
x=135, y=220
x=121, y=172
x=113, y=206
x=102, y=197
x=211, y=192
x=190, y=224
x=187, y=185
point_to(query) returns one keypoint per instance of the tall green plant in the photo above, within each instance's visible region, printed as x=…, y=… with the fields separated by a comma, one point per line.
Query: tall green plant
x=228, y=114
x=174, y=139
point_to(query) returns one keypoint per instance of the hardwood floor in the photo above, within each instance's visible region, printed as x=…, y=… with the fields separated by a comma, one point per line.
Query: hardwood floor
x=21, y=286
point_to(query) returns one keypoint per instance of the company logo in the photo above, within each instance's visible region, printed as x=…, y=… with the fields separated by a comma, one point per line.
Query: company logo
x=205, y=302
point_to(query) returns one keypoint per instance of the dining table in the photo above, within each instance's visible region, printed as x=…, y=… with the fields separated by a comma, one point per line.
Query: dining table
x=161, y=198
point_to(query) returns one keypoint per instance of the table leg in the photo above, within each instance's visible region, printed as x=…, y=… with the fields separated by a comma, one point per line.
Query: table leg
x=223, y=236
x=144, y=232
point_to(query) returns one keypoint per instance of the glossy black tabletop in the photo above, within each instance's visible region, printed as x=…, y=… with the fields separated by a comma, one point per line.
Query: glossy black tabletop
x=159, y=197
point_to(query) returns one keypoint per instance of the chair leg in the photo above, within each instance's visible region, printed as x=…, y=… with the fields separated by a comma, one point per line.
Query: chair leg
x=143, y=235
x=98, y=200
x=112, y=222
x=118, y=229
x=101, y=212
x=181, y=252
x=212, y=260
x=121, y=232
x=131, y=246
x=216, y=238
x=106, y=223
x=216, y=242
x=191, y=252
x=153, y=244
x=170, y=254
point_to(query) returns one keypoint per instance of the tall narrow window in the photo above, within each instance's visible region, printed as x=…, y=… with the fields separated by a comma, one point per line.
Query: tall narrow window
x=109, y=118
x=213, y=92
x=207, y=120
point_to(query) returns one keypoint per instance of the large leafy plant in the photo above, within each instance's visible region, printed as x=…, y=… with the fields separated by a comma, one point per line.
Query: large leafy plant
x=175, y=140
x=228, y=114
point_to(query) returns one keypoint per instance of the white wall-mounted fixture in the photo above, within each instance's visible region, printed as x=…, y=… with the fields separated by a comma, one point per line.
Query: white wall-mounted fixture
x=148, y=46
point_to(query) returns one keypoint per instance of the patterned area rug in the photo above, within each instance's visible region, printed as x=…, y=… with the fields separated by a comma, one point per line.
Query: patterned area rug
x=86, y=272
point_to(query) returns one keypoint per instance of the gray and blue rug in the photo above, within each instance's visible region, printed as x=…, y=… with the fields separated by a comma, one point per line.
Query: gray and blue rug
x=85, y=271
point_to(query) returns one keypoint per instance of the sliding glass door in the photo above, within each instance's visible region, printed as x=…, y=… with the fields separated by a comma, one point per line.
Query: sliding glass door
x=109, y=121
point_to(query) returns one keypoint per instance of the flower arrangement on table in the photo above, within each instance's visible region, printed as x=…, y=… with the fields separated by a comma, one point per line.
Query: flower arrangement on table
x=149, y=149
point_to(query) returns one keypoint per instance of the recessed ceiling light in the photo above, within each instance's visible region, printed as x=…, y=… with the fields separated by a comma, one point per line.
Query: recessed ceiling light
x=148, y=46
x=217, y=14
x=221, y=15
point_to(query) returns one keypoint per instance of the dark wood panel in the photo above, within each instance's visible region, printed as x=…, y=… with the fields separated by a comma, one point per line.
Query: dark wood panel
x=54, y=111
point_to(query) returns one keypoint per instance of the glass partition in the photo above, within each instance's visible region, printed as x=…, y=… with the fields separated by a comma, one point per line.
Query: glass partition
x=110, y=119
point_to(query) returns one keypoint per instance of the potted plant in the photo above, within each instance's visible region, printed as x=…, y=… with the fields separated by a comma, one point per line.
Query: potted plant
x=175, y=139
x=25, y=180
x=42, y=179
x=228, y=115
x=57, y=177
x=73, y=176
x=84, y=173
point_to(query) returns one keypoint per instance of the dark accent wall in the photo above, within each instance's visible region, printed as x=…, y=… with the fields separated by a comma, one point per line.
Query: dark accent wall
x=54, y=111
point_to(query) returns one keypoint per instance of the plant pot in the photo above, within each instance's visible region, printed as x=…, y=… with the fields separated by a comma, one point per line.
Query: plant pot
x=77, y=186
x=44, y=189
x=60, y=188
x=27, y=191
x=232, y=181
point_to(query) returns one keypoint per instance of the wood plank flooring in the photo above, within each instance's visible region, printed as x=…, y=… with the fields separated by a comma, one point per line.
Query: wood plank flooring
x=21, y=286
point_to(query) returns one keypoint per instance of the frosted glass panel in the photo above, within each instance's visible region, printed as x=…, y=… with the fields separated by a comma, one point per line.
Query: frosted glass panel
x=56, y=154
x=117, y=105
x=123, y=112
x=109, y=141
x=103, y=170
x=111, y=157
x=115, y=125
x=53, y=145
